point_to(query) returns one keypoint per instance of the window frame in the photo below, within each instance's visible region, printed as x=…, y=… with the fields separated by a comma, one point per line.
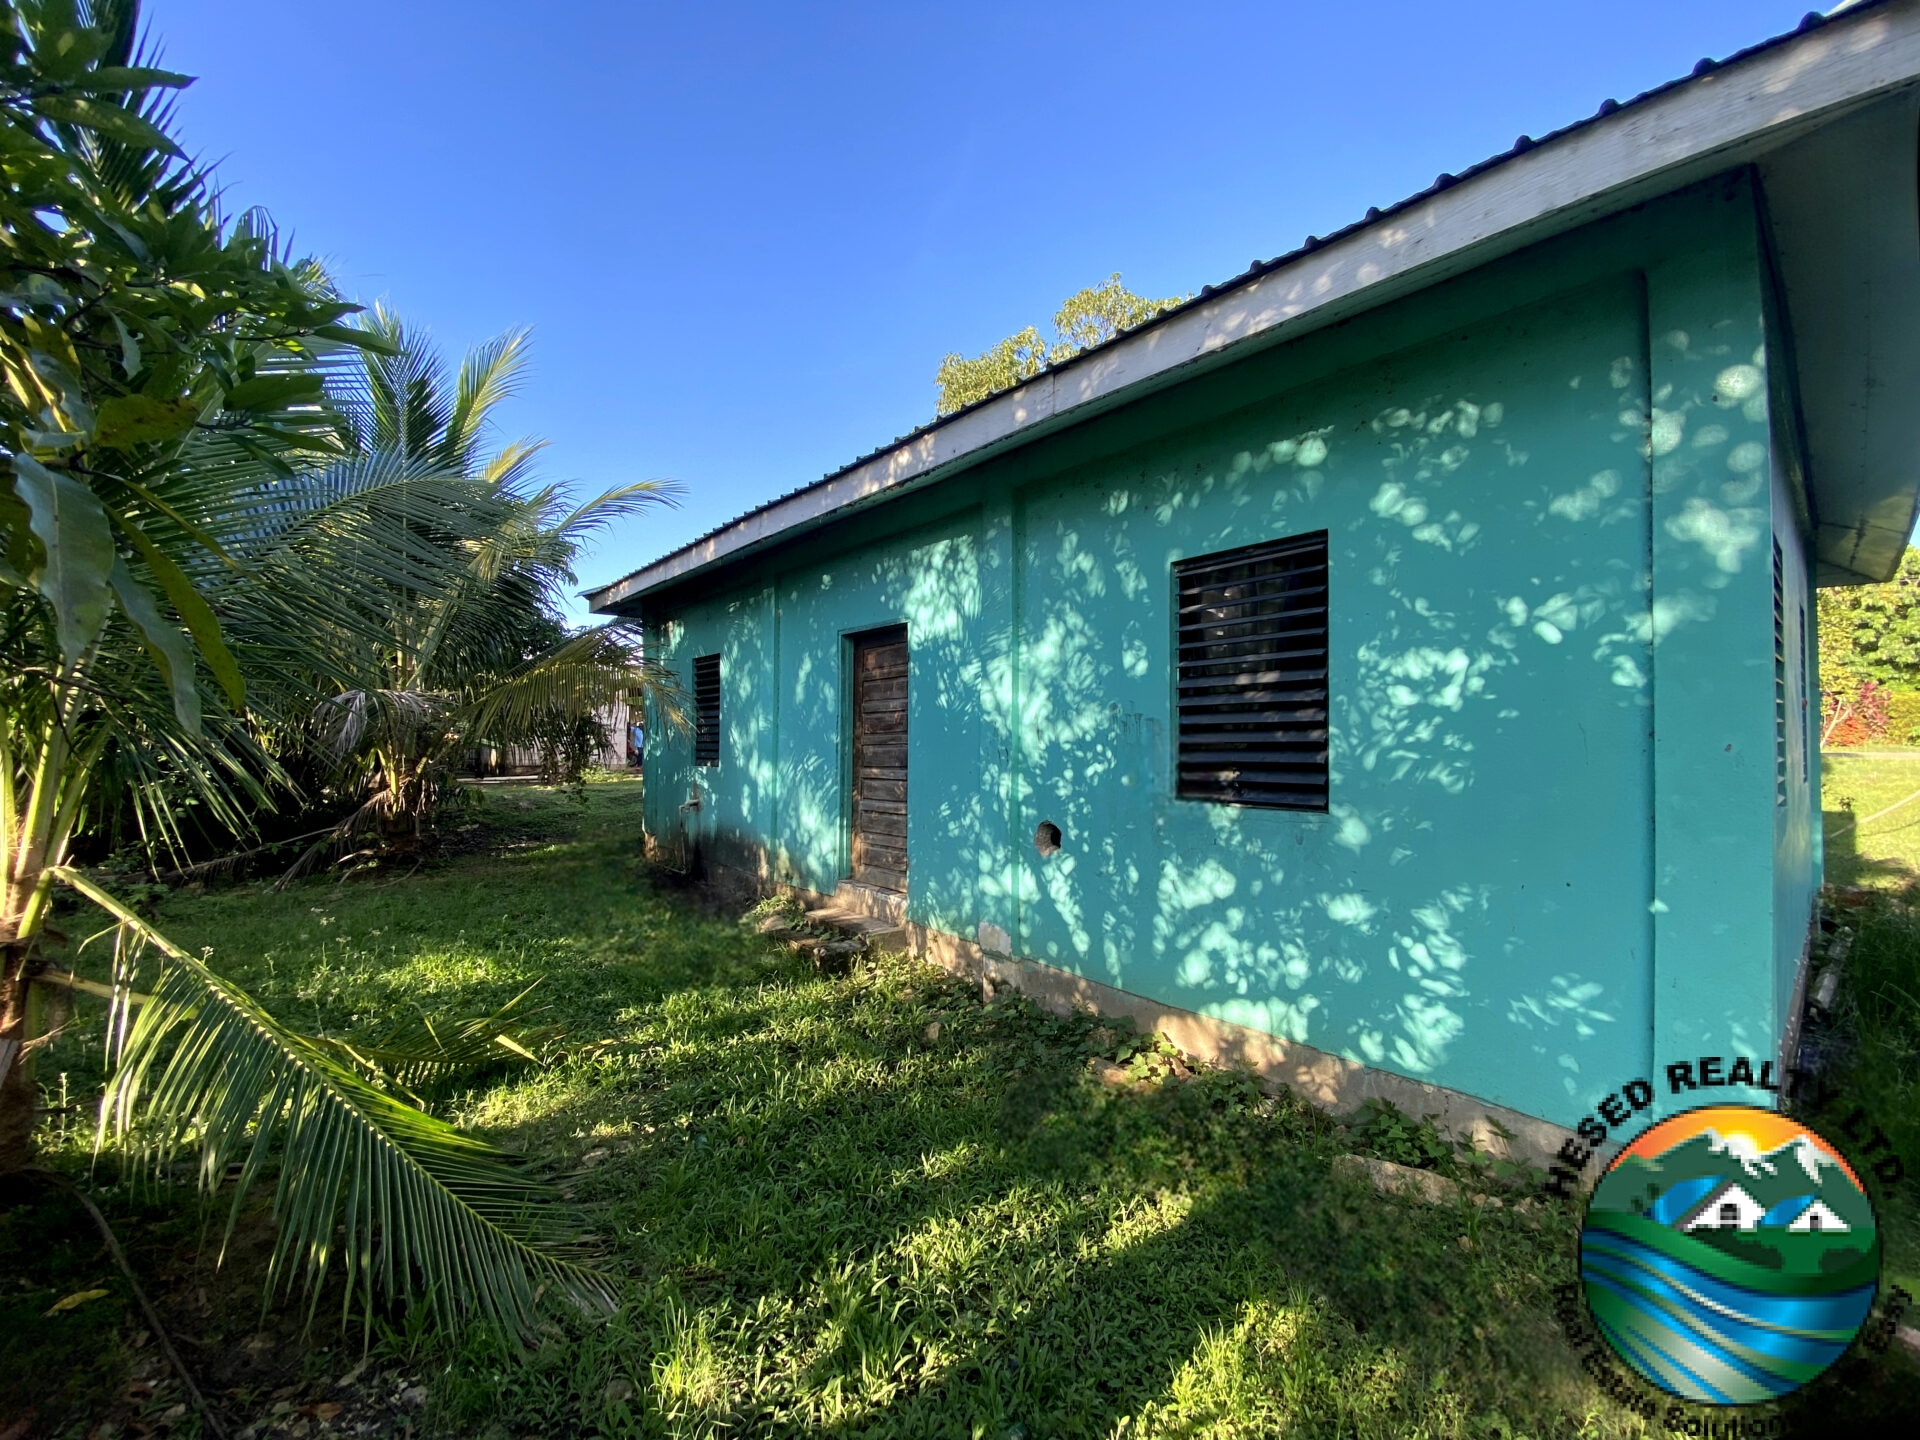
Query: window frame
x=1780, y=777
x=707, y=691
x=1292, y=772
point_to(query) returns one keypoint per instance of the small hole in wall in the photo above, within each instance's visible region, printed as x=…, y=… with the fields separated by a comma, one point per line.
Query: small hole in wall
x=1046, y=839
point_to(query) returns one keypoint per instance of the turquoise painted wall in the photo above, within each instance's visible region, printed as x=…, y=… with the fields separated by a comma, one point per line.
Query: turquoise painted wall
x=1555, y=855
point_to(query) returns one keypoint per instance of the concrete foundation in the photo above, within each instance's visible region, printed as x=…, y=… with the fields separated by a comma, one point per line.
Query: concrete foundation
x=1330, y=1082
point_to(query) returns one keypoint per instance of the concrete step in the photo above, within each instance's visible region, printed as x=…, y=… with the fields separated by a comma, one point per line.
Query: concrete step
x=879, y=935
x=865, y=900
x=832, y=934
x=851, y=922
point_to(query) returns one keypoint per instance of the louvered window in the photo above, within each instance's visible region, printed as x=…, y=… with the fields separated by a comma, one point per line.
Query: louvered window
x=706, y=709
x=1252, y=696
x=1779, y=678
x=1800, y=680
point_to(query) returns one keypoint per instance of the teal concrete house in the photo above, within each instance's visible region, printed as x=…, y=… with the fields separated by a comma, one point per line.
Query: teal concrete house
x=1394, y=668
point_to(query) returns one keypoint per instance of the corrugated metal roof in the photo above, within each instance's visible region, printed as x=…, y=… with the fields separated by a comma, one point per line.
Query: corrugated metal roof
x=1812, y=20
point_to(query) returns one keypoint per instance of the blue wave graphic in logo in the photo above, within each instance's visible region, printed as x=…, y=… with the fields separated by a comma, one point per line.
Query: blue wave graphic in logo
x=1671, y=1207
x=1705, y=1339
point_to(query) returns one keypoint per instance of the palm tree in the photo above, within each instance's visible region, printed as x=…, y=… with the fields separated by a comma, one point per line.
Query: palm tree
x=191, y=539
x=487, y=657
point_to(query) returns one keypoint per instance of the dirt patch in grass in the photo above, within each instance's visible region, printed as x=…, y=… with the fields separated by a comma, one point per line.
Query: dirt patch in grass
x=82, y=1360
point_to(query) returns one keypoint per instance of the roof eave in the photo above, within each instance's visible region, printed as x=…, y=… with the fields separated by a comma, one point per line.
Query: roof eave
x=1666, y=140
x=1843, y=206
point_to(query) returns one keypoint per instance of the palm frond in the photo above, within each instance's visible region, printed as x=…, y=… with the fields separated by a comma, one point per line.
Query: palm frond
x=409, y=406
x=583, y=673
x=206, y=1068
x=416, y=1053
x=342, y=724
x=335, y=842
x=617, y=504
x=512, y=465
x=489, y=374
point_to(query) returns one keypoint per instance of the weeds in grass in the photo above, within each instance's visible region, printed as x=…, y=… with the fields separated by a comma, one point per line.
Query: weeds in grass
x=1384, y=1131
x=1873, y=1051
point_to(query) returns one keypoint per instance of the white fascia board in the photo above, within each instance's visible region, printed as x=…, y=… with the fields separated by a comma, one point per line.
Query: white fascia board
x=1669, y=140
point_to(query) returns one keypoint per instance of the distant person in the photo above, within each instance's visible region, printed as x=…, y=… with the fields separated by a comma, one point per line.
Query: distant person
x=636, y=745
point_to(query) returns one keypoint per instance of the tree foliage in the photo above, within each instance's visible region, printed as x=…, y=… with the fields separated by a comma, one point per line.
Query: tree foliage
x=1872, y=632
x=486, y=657
x=216, y=521
x=135, y=323
x=1088, y=318
x=160, y=369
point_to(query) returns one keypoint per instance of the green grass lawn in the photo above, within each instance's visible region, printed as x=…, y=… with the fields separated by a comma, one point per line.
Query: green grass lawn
x=1872, y=838
x=856, y=1205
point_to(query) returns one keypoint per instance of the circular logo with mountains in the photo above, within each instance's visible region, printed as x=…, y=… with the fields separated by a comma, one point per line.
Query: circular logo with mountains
x=1729, y=1255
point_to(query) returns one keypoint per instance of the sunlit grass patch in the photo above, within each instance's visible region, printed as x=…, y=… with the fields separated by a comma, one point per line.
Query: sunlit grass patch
x=1144, y=1219
x=1870, y=806
x=691, y=1380
x=1297, y=1368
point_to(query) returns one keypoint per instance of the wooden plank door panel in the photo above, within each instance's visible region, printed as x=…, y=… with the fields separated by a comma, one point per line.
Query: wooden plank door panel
x=880, y=759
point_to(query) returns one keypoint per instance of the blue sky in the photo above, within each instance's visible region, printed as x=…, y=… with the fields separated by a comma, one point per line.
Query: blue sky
x=744, y=234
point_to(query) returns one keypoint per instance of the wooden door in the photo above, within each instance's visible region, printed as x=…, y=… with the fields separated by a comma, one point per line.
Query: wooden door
x=880, y=759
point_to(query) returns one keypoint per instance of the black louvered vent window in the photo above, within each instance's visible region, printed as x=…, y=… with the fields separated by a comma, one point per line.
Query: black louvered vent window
x=1800, y=680
x=706, y=709
x=1779, y=678
x=1252, y=646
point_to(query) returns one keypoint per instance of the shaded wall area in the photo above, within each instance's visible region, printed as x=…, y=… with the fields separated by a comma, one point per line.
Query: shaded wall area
x=1557, y=848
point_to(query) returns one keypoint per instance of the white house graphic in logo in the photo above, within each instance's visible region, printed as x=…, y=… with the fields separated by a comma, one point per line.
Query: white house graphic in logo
x=1730, y=1207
